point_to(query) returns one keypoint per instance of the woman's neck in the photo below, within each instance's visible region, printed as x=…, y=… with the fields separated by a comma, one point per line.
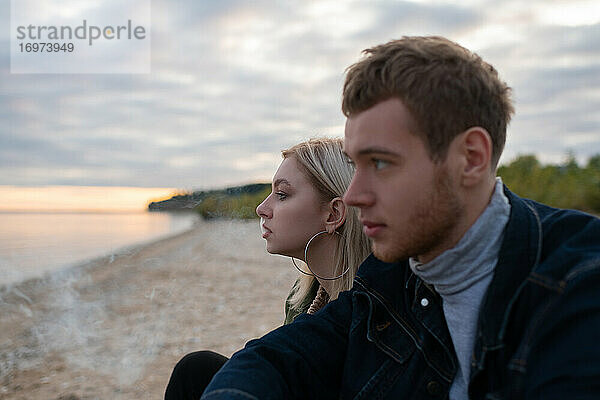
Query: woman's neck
x=322, y=260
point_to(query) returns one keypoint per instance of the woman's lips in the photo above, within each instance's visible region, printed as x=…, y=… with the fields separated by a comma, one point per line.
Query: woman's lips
x=371, y=229
x=265, y=231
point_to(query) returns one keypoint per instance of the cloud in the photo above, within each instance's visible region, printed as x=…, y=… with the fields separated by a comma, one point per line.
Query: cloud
x=232, y=84
x=553, y=71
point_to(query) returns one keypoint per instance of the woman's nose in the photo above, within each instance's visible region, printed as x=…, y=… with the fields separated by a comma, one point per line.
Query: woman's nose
x=263, y=210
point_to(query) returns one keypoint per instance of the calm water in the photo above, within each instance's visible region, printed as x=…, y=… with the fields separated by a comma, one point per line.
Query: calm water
x=34, y=243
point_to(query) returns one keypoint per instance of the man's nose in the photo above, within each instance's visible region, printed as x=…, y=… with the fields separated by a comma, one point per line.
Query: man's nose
x=359, y=193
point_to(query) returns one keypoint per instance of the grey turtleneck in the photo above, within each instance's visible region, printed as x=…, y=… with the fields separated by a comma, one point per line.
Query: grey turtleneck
x=461, y=276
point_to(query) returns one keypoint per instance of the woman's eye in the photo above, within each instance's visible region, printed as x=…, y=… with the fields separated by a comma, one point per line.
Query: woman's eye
x=379, y=164
x=281, y=195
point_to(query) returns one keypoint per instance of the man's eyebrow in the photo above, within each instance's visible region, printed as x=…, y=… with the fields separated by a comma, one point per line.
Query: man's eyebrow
x=378, y=150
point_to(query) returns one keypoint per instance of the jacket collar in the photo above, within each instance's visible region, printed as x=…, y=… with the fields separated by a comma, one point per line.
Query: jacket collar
x=519, y=255
x=388, y=282
x=381, y=276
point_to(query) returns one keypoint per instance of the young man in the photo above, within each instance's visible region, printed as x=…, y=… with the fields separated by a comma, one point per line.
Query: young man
x=472, y=292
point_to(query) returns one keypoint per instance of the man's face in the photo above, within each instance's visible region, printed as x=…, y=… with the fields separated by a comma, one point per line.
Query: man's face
x=408, y=204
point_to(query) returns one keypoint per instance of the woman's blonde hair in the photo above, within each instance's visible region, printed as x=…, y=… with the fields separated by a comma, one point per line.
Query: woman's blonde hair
x=324, y=163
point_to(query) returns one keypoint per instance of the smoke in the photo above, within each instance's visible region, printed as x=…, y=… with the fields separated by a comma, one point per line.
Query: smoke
x=101, y=332
x=118, y=324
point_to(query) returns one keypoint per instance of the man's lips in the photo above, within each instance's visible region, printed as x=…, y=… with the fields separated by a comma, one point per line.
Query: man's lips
x=371, y=229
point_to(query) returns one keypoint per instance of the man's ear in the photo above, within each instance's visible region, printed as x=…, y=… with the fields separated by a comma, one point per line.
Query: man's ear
x=475, y=147
x=337, y=215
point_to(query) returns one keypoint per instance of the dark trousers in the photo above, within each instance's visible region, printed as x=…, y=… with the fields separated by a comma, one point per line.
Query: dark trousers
x=192, y=374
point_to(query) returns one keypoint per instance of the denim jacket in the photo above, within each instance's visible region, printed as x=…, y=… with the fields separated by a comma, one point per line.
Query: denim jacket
x=538, y=333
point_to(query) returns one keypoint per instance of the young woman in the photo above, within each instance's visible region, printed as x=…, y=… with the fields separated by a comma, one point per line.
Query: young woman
x=305, y=218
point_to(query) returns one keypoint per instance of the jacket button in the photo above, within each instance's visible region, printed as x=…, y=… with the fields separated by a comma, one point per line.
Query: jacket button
x=424, y=302
x=434, y=388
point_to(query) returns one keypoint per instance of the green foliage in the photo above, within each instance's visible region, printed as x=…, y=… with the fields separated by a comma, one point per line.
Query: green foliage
x=564, y=186
x=219, y=203
x=239, y=205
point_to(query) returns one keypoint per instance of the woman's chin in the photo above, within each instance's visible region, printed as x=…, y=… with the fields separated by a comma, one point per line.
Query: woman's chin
x=271, y=249
x=279, y=252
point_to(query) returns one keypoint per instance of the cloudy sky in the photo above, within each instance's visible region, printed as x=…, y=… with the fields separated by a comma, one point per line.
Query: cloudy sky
x=234, y=82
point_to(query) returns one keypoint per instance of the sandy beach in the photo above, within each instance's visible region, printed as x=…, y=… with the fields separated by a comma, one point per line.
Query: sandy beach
x=114, y=327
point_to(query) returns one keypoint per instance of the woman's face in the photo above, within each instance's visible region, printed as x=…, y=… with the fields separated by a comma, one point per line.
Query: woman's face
x=292, y=213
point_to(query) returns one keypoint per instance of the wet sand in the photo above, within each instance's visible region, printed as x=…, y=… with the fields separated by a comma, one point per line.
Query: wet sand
x=113, y=328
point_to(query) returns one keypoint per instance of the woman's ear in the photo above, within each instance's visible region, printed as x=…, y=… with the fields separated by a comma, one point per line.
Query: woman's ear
x=337, y=215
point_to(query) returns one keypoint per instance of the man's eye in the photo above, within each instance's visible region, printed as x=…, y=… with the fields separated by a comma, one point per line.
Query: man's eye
x=281, y=195
x=379, y=164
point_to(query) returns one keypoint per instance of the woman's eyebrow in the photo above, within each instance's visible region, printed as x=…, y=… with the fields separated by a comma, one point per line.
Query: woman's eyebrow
x=281, y=181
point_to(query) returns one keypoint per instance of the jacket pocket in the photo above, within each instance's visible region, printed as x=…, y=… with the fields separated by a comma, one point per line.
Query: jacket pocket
x=387, y=334
x=379, y=351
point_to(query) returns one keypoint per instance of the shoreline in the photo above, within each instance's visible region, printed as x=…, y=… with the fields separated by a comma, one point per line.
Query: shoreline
x=39, y=254
x=105, y=258
x=114, y=326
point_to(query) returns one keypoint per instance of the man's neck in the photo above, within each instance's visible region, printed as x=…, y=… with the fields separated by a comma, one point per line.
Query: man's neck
x=454, y=268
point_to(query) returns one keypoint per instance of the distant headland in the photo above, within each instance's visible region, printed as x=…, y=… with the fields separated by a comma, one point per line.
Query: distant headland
x=566, y=185
x=233, y=202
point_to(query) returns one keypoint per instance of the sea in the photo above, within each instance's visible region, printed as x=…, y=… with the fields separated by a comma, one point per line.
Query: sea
x=35, y=243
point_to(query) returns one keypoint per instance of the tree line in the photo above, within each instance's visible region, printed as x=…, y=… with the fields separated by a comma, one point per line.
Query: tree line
x=565, y=185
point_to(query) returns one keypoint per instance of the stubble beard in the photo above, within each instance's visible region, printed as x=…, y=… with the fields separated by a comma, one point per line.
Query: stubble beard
x=430, y=226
